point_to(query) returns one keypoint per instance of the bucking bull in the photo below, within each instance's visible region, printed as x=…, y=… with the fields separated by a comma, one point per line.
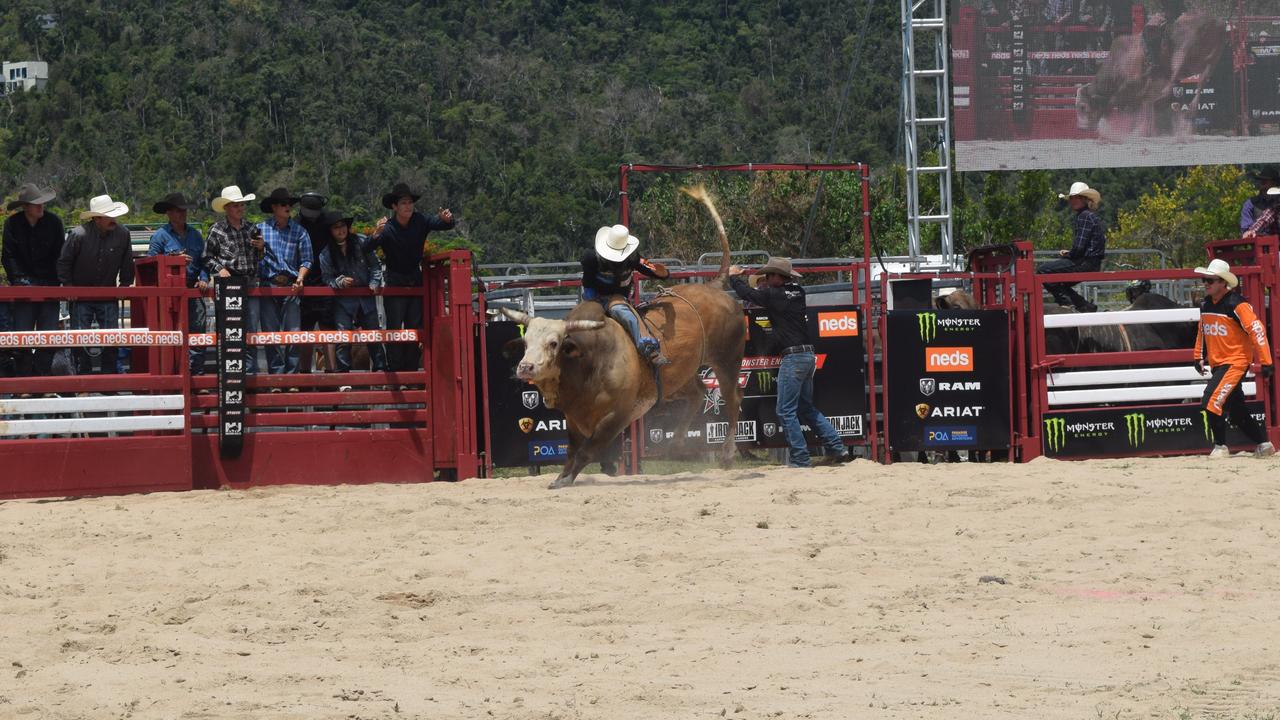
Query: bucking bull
x=1132, y=94
x=587, y=365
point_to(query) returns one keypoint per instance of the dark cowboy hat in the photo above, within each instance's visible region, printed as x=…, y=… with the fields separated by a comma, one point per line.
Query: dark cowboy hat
x=329, y=219
x=30, y=194
x=279, y=196
x=400, y=190
x=1266, y=174
x=173, y=201
x=779, y=266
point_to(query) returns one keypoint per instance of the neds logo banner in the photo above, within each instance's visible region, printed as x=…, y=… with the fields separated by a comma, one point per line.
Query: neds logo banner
x=948, y=359
x=838, y=324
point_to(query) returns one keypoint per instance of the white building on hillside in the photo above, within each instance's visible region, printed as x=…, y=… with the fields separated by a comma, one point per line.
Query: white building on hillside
x=24, y=75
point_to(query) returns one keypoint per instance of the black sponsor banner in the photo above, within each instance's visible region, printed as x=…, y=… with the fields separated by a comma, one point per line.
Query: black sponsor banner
x=230, y=303
x=525, y=432
x=839, y=388
x=1172, y=429
x=1018, y=91
x=1263, y=84
x=948, y=379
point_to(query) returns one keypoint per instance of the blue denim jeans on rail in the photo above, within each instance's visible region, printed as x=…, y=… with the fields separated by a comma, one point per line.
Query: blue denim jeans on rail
x=281, y=314
x=795, y=406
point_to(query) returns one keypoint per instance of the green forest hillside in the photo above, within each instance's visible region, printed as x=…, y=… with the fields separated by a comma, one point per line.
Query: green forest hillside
x=516, y=114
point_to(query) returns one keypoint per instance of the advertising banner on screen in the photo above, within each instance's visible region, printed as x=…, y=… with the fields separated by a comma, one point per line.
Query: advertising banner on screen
x=1107, y=84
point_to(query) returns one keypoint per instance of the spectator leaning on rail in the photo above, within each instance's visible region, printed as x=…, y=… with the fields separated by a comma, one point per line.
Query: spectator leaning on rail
x=286, y=263
x=1230, y=336
x=783, y=301
x=347, y=265
x=1088, y=247
x=317, y=311
x=233, y=249
x=1268, y=221
x=33, y=240
x=98, y=253
x=1266, y=179
x=606, y=278
x=403, y=240
x=179, y=239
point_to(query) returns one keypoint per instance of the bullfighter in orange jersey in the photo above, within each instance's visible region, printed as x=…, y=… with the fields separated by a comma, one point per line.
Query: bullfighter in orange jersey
x=1230, y=336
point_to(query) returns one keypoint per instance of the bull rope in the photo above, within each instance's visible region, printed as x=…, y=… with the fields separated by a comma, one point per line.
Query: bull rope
x=668, y=292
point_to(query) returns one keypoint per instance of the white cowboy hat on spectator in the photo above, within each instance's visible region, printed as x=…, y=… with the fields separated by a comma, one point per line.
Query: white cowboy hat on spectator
x=230, y=194
x=1220, y=268
x=615, y=242
x=779, y=266
x=104, y=206
x=1084, y=191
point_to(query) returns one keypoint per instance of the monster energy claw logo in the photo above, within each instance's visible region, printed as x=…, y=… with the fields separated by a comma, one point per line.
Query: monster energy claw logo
x=1055, y=433
x=764, y=380
x=1136, y=424
x=928, y=326
x=1204, y=419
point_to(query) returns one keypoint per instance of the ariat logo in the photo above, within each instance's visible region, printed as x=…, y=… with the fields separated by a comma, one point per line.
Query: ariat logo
x=927, y=323
x=1055, y=433
x=525, y=424
x=1136, y=426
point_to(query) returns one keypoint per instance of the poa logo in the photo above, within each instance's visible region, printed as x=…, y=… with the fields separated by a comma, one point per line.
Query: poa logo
x=1055, y=433
x=1135, y=425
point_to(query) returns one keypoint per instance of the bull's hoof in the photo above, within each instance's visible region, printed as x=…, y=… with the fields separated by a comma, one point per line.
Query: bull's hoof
x=560, y=482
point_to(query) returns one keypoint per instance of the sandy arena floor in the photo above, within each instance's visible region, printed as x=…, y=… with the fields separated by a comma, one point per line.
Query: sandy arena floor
x=1138, y=589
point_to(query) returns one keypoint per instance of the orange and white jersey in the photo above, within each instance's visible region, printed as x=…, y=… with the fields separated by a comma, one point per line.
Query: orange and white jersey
x=1230, y=333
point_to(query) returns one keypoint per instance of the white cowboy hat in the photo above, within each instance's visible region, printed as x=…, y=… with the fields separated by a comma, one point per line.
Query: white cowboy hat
x=230, y=194
x=104, y=206
x=1220, y=268
x=1083, y=190
x=615, y=243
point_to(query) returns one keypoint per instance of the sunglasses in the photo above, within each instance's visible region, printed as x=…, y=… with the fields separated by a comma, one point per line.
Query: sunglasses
x=1210, y=281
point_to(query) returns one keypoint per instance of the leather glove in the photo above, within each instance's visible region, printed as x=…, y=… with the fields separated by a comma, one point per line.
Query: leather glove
x=1200, y=367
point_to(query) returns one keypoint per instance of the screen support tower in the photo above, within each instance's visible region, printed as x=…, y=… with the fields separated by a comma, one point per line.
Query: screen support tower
x=926, y=114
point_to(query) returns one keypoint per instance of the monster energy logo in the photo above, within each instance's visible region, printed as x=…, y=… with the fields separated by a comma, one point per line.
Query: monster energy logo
x=764, y=380
x=928, y=326
x=1055, y=433
x=1136, y=424
x=1204, y=419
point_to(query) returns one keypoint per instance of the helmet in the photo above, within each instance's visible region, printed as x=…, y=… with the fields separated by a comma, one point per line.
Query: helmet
x=1137, y=288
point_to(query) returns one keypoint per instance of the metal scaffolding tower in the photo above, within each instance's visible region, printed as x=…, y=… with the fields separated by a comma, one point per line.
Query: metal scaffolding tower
x=927, y=121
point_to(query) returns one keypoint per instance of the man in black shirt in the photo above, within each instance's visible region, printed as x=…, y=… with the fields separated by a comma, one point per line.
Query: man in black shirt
x=33, y=242
x=606, y=278
x=403, y=241
x=783, y=301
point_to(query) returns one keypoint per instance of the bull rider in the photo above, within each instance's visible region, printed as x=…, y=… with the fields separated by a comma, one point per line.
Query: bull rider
x=606, y=278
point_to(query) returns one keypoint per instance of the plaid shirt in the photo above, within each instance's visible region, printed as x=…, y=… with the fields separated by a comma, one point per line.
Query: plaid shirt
x=228, y=247
x=1090, y=238
x=287, y=251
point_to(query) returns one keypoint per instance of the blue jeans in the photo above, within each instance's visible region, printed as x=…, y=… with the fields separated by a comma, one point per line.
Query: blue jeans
x=106, y=313
x=27, y=316
x=281, y=314
x=6, y=356
x=795, y=405
x=350, y=313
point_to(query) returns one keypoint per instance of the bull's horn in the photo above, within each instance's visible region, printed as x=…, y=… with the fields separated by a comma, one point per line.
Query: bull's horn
x=516, y=315
x=583, y=324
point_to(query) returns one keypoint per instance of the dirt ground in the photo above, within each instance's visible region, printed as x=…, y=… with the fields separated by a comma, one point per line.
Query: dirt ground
x=1114, y=589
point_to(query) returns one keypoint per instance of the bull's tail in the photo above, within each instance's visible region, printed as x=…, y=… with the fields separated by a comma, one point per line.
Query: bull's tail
x=699, y=193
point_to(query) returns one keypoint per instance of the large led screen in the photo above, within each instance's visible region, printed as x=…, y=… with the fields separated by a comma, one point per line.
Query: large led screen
x=1111, y=83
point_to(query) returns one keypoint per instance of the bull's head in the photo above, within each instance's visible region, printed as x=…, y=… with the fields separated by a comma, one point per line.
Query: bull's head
x=545, y=342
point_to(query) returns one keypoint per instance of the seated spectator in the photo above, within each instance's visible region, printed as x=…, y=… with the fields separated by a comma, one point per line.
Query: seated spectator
x=1268, y=222
x=346, y=264
x=1265, y=179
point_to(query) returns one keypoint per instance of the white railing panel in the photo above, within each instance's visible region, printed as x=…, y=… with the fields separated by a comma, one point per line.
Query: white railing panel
x=63, y=426
x=93, y=403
